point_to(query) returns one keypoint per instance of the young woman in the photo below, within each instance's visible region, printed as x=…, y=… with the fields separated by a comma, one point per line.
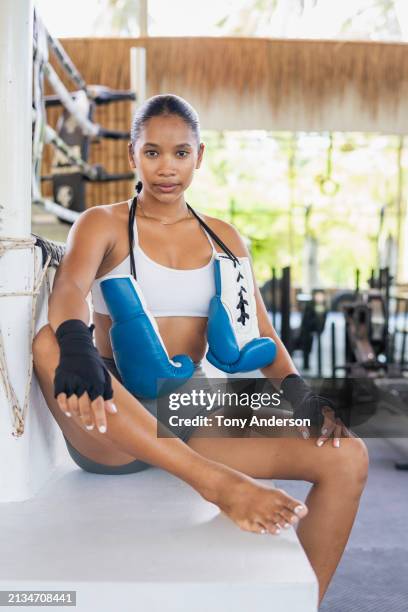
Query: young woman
x=108, y=430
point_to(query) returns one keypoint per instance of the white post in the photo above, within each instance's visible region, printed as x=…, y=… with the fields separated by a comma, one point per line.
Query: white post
x=16, y=24
x=138, y=74
x=25, y=461
x=138, y=58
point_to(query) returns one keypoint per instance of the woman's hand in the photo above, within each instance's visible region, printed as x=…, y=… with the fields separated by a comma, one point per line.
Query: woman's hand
x=309, y=405
x=82, y=384
x=332, y=426
x=90, y=412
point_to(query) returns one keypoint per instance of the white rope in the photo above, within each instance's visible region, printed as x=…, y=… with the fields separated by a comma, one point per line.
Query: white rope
x=18, y=413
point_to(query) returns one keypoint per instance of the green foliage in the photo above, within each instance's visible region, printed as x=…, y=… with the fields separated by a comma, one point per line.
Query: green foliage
x=263, y=183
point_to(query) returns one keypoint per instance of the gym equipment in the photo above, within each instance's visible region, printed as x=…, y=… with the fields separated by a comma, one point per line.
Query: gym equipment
x=314, y=311
x=234, y=344
x=370, y=347
x=285, y=331
x=310, y=267
x=138, y=349
x=368, y=341
x=313, y=307
x=276, y=296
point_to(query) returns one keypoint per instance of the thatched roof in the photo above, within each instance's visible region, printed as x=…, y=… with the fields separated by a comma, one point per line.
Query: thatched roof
x=242, y=83
x=307, y=72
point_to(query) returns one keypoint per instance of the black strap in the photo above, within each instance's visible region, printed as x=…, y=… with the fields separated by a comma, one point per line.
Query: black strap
x=132, y=214
x=214, y=236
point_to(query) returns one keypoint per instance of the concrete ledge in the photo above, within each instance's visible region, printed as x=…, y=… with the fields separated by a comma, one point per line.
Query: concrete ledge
x=147, y=541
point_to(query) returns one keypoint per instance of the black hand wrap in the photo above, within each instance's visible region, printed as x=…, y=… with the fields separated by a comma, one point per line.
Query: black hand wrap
x=80, y=368
x=305, y=402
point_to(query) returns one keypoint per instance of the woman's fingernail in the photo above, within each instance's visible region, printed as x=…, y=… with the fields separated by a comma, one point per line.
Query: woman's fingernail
x=89, y=427
x=305, y=434
x=114, y=409
x=102, y=428
x=286, y=525
x=320, y=443
x=68, y=413
x=324, y=431
x=298, y=509
x=337, y=443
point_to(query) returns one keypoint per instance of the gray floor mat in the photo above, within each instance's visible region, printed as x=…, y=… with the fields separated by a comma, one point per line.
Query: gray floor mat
x=372, y=575
x=369, y=581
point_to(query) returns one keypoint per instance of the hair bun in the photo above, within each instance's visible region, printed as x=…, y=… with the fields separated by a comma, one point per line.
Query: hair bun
x=139, y=186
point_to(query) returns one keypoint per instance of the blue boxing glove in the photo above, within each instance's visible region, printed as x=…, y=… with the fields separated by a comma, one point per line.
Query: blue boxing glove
x=234, y=344
x=140, y=355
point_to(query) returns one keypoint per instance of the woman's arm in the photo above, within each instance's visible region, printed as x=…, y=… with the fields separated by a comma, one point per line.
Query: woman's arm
x=88, y=241
x=81, y=378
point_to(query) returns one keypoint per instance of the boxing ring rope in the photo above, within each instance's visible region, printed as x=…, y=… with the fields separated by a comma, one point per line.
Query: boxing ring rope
x=76, y=105
x=66, y=63
x=52, y=253
x=39, y=121
x=88, y=127
x=18, y=413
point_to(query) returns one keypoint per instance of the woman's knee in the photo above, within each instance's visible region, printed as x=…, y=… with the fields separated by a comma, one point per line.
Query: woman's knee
x=347, y=465
x=359, y=458
x=44, y=343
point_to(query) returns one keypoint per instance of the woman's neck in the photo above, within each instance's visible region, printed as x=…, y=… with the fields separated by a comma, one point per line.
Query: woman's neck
x=162, y=211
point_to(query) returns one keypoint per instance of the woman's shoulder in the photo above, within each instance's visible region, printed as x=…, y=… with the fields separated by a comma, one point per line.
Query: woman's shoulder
x=228, y=233
x=117, y=210
x=113, y=216
x=102, y=223
x=114, y=211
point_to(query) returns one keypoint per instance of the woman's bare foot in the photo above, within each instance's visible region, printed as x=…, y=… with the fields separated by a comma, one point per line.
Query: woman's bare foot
x=252, y=505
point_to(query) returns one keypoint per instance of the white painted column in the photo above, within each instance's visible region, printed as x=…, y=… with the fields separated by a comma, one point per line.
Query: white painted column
x=16, y=25
x=138, y=75
x=25, y=461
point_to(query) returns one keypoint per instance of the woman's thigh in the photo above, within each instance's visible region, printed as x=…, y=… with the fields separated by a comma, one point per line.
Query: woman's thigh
x=87, y=443
x=281, y=454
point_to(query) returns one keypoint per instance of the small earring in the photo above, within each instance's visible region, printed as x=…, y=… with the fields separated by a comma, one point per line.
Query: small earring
x=139, y=186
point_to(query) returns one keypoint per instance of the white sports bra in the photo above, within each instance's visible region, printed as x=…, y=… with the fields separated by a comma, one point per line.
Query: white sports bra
x=168, y=292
